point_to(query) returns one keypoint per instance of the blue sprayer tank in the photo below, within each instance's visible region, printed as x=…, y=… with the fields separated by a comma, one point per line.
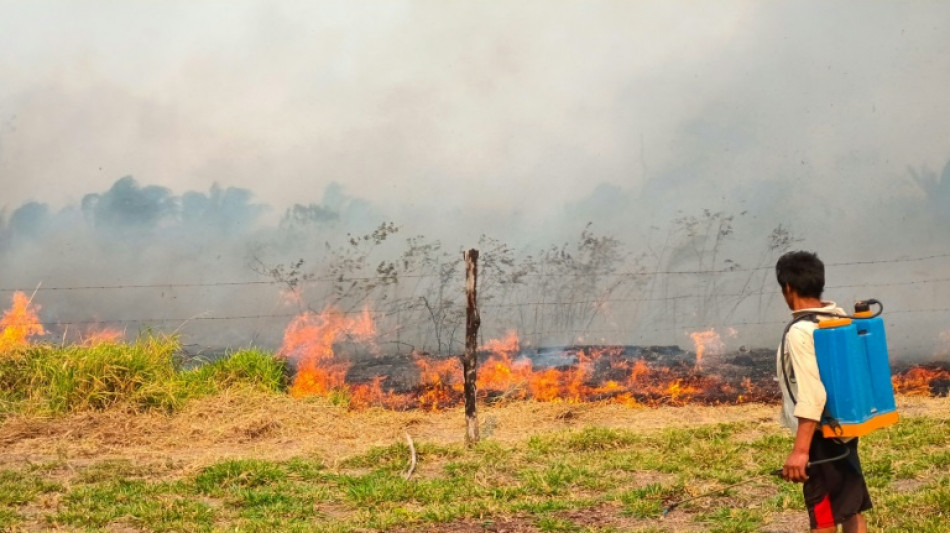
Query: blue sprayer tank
x=854, y=368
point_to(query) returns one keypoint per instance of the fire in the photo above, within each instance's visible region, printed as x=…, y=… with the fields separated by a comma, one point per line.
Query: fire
x=677, y=389
x=509, y=345
x=546, y=385
x=440, y=382
x=371, y=394
x=922, y=381
x=104, y=335
x=508, y=372
x=639, y=370
x=707, y=340
x=599, y=374
x=501, y=374
x=309, y=340
x=593, y=374
x=20, y=322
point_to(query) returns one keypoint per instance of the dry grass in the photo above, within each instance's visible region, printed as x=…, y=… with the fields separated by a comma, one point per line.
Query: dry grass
x=531, y=450
x=241, y=424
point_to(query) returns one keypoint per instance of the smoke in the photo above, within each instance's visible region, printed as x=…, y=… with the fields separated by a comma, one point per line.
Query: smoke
x=206, y=265
x=698, y=137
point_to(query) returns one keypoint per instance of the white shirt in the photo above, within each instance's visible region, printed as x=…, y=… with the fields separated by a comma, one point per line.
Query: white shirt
x=801, y=367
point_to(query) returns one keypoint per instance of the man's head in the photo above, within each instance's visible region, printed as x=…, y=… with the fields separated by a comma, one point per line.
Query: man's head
x=801, y=273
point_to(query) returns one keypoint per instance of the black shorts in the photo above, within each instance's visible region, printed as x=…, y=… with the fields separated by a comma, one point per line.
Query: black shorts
x=835, y=491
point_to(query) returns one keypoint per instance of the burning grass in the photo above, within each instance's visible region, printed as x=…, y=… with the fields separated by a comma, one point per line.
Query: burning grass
x=140, y=444
x=924, y=380
x=19, y=323
x=147, y=374
x=320, y=347
x=328, y=354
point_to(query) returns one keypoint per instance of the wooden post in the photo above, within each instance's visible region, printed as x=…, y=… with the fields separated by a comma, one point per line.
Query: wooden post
x=472, y=321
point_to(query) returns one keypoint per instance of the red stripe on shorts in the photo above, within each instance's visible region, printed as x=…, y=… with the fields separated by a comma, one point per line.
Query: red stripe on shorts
x=823, y=515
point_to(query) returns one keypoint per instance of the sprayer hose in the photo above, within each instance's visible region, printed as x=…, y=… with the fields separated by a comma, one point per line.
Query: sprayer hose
x=777, y=472
x=847, y=452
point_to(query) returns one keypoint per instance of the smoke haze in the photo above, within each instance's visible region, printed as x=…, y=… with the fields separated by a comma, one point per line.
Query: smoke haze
x=180, y=143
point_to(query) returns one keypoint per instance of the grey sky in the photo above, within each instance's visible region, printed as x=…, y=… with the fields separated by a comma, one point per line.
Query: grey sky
x=436, y=105
x=522, y=120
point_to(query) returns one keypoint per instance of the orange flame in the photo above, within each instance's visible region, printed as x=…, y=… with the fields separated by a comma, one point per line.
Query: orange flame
x=309, y=341
x=605, y=374
x=371, y=394
x=19, y=323
x=918, y=380
x=500, y=373
x=706, y=340
x=104, y=335
x=626, y=379
x=440, y=382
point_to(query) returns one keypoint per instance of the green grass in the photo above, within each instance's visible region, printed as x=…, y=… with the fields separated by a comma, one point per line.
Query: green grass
x=156, y=506
x=624, y=479
x=137, y=376
x=246, y=368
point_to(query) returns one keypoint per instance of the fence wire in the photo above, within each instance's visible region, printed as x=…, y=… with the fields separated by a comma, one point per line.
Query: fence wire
x=676, y=310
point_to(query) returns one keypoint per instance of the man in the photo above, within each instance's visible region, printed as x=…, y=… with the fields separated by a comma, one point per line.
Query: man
x=835, y=492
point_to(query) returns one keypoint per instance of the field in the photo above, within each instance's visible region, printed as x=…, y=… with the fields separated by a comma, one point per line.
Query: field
x=119, y=436
x=245, y=459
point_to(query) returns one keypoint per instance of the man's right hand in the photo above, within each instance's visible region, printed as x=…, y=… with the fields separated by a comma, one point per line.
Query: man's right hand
x=797, y=462
x=795, y=465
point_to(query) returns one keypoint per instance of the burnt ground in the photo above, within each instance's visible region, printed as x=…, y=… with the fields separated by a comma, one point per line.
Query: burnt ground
x=609, y=363
x=745, y=375
x=652, y=375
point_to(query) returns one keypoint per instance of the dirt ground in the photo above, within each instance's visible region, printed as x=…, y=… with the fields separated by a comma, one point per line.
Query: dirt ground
x=246, y=425
x=250, y=425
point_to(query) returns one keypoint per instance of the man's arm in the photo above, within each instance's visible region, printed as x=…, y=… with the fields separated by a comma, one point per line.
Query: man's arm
x=794, y=469
x=810, y=391
x=811, y=401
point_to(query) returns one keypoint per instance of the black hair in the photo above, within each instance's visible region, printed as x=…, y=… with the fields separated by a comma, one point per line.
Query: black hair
x=803, y=272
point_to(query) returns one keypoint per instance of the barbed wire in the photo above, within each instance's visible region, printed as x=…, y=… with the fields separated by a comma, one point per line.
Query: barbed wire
x=104, y=322
x=744, y=294
x=144, y=286
x=199, y=317
x=409, y=309
x=345, y=279
x=499, y=305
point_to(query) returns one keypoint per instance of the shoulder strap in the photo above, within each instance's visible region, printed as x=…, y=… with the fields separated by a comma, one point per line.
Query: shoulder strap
x=788, y=368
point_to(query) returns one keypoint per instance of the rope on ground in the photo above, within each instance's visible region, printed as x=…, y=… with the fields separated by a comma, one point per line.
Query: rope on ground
x=412, y=458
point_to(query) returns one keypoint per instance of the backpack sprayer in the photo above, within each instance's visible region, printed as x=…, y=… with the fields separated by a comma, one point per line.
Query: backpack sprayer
x=851, y=351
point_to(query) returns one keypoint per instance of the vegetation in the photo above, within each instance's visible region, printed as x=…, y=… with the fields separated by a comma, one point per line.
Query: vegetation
x=593, y=479
x=142, y=375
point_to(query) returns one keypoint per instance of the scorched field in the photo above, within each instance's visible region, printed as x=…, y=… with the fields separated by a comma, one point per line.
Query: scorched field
x=109, y=435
